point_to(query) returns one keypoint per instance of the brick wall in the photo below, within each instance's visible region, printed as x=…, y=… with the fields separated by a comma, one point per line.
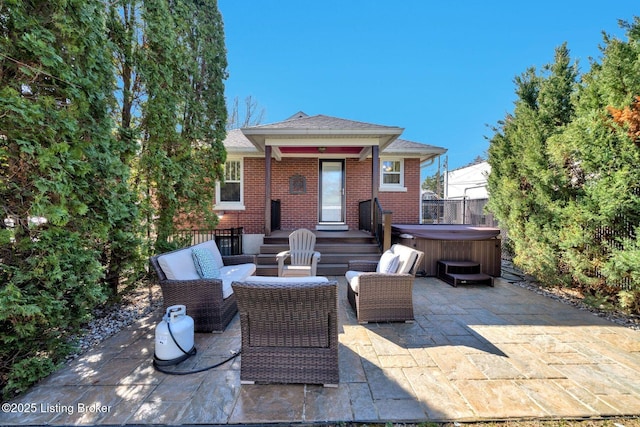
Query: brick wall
x=252, y=218
x=357, y=189
x=297, y=210
x=405, y=205
x=301, y=210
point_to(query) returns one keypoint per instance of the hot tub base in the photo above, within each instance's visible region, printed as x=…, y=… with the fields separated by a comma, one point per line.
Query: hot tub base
x=481, y=245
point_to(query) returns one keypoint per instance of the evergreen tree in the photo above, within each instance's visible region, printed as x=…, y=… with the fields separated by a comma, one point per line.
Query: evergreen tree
x=63, y=184
x=524, y=183
x=565, y=180
x=172, y=63
x=600, y=150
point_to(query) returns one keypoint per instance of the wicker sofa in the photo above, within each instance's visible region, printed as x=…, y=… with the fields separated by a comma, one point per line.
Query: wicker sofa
x=289, y=330
x=378, y=296
x=211, y=301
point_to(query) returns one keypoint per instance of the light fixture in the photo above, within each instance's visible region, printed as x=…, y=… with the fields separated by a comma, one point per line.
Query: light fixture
x=322, y=149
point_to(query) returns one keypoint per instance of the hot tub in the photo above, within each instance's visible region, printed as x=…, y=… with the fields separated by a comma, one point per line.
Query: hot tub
x=452, y=242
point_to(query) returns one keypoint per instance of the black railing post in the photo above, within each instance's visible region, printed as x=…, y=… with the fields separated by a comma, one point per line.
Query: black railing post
x=275, y=215
x=364, y=215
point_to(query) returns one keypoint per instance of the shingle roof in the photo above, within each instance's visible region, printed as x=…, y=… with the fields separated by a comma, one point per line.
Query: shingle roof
x=238, y=142
x=405, y=146
x=301, y=121
x=251, y=140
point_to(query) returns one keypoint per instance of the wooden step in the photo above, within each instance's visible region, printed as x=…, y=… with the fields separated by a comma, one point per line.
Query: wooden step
x=341, y=248
x=282, y=237
x=462, y=273
x=467, y=279
x=325, y=257
x=336, y=249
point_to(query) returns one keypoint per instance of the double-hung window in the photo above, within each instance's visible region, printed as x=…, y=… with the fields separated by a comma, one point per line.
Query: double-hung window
x=229, y=194
x=392, y=175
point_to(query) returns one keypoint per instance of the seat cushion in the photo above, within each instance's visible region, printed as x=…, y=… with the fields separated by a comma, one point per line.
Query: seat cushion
x=292, y=280
x=352, y=279
x=231, y=273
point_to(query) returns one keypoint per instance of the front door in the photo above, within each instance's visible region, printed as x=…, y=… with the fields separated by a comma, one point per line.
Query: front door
x=331, y=191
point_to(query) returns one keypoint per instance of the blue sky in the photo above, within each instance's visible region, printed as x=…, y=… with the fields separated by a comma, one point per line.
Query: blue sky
x=443, y=71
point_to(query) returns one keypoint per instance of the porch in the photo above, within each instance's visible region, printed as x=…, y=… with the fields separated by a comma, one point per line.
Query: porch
x=474, y=353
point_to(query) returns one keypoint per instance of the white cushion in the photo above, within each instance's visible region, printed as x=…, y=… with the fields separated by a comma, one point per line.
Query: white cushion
x=407, y=258
x=388, y=263
x=353, y=279
x=231, y=273
x=178, y=265
x=271, y=279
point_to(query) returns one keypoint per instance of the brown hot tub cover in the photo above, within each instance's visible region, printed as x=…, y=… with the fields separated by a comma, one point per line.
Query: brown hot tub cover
x=446, y=232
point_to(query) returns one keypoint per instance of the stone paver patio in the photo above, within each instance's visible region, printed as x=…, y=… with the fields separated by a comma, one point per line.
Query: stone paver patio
x=474, y=353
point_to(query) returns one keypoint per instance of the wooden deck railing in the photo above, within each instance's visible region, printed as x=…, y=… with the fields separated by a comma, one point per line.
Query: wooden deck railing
x=379, y=223
x=382, y=226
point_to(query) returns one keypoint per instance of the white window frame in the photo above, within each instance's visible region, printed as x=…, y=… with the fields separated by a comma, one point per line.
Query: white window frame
x=239, y=205
x=392, y=187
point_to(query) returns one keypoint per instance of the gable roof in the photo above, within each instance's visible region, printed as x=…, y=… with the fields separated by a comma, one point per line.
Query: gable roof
x=321, y=130
x=236, y=142
x=302, y=121
x=405, y=147
x=306, y=130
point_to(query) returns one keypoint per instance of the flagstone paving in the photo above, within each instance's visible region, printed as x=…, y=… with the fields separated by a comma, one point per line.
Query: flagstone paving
x=473, y=353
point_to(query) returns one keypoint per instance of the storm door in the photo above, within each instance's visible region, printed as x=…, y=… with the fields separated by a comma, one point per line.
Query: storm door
x=332, y=200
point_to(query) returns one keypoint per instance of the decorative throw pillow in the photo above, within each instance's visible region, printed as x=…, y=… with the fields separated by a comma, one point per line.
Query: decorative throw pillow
x=389, y=263
x=205, y=263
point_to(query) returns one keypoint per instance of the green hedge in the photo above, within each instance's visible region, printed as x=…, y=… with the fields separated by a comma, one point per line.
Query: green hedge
x=565, y=180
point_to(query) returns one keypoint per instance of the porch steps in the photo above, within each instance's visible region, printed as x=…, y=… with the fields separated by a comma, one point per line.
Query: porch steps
x=336, y=248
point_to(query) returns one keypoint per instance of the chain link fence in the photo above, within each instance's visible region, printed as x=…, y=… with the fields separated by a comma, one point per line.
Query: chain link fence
x=459, y=211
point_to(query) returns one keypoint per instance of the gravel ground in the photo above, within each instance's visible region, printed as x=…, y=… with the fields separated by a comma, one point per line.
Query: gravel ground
x=112, y=318
x=512, y=275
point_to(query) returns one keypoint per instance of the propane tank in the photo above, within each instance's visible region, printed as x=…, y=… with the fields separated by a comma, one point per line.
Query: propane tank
x=174, y=336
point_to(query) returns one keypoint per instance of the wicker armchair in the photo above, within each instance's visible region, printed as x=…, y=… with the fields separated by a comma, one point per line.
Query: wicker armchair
x=289, y=331
x=204, y=298
x=384, y=297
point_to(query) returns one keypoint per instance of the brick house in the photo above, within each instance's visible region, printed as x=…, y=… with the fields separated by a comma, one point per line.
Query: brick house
x=316, y=170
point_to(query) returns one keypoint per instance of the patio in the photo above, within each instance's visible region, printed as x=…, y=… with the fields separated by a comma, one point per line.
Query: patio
x=474, y=353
